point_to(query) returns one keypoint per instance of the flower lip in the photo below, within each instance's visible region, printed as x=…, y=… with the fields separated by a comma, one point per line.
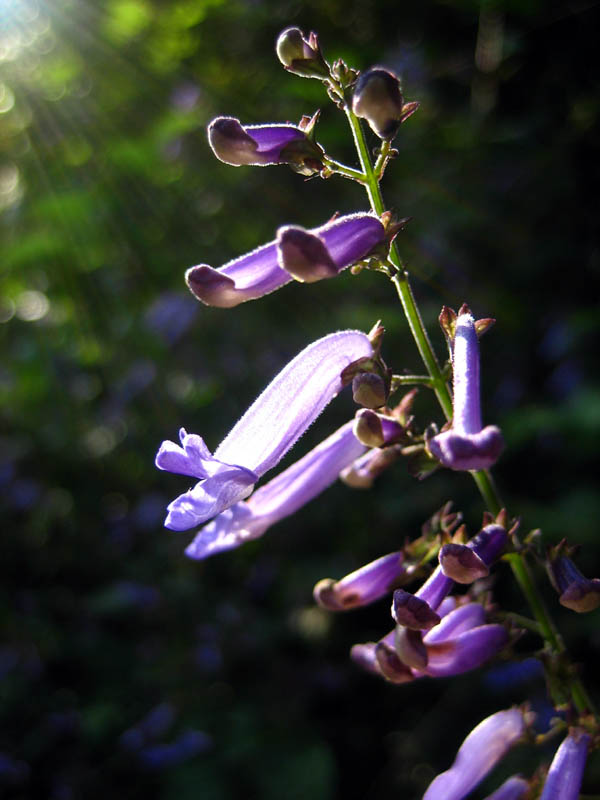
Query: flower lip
x=268, y=429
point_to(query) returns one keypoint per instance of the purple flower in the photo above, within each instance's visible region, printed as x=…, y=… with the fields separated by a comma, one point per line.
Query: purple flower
x=566, y=771
x=363, y=586
x=458, y=643
x=263, y=145
x=296, y=253
x=467, y=445
x=272, y=424
x=479, y=753
x=576, y=591
x=376, y=430
x=280, y=497
x=467, y=563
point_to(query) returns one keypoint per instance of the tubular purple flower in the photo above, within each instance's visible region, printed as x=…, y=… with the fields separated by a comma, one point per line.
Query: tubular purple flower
x=467, y=563
x=376, y=430
x=305, y=255
x=272, y=424
x=514, y=788
x=418, y=611
x=280, y=497
x=479, y=753
x=466, y=445
x=263, y=145
x=566, y=771
x=465, y=651
x=577, y=592
x=363, y=586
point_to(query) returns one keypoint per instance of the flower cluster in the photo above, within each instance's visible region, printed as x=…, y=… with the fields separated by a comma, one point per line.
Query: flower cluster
x=436, y=634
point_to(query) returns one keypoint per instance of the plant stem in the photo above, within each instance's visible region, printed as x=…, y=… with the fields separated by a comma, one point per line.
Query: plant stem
x=482, y=478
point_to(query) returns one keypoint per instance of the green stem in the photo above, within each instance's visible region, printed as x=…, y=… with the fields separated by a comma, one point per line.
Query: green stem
x=482, y=478
x=345, y=171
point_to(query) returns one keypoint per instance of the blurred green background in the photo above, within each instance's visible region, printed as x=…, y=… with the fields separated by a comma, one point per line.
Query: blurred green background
x=127, y=670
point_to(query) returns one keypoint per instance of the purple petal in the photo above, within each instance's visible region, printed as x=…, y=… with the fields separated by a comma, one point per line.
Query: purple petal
x=460, y=451
x=363, y=586
x=566, y=771
x=435, y=588
x=466, y=651
x=478, y=754
x=246, y=278
x=455, y=622
x=465, y=363
x=412, y=612
x=514, y=788
x=256, y=145
x=304, y=255
x=209, y=498
x=280, y=497
x=351, y=238
x=192, y=458
x=292, y=401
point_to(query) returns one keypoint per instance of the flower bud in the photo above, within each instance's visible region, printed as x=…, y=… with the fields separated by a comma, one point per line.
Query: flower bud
x=413, y=612
x=363, y=586
x=369, y=390
x=576, y=591
x=378, y=99
x=301, y=56
x=376, y=430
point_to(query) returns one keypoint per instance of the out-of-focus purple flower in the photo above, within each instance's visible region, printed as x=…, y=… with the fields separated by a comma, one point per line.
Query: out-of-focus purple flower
x=466, y=563
x=576, y=591
x=466, y=445
x=512, y=789
x=280, y=497
x=263, y=145
x=296, y=253
x=363, y=586
x=566, y=771
x=362, y=473
x=189, y=744
x=479, y=753
x=272, y=424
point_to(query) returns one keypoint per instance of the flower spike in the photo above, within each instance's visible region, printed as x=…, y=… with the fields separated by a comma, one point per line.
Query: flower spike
x=305, y=255
x=478, y=754
x=272, y=424
x=264, y=145
x=280, y=497
x=466, y=445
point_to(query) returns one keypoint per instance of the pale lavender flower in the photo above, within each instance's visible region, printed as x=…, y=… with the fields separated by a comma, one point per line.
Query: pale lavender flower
x=479, y=753
x=466, y=445
x=280, y=497
x=263, y=145
x=566, y=771
x=296, y=253
x=272, y=424
x=514, y=788
x=363, y=586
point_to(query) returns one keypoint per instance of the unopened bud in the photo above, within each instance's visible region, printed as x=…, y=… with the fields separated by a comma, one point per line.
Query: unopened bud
x=301, y=56
x=576, y=591
x=376, y=430
x=369, y=390
x=378, y=99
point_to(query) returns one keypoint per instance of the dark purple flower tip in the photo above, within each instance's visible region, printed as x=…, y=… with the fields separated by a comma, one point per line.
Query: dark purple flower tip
x=410, y=648
x=378, y=99
x=468, y=451
x=483, y=748
x=376, y=430
x=461, y=563
x=260, y=145
x=301, y=56
x=515, y=788
x=213, y=288
x=577, y=592
x=390, y=664
x=413, y=612
x=304, y=255
x=566, y=771
x=363, y=586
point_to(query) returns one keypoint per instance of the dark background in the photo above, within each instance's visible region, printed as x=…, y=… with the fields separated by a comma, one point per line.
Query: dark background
x=127, y=670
